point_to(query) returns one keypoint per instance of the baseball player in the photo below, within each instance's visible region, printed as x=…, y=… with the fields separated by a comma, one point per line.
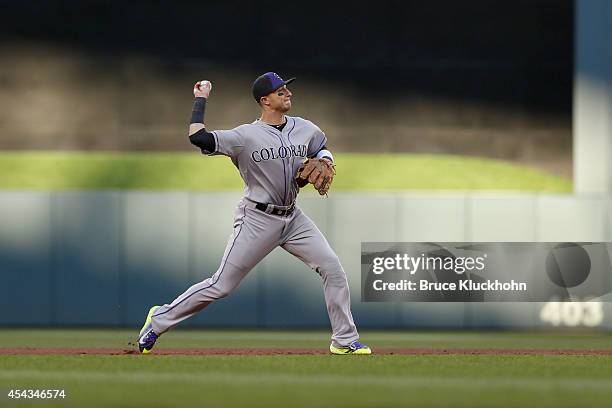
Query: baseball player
x=275, y=155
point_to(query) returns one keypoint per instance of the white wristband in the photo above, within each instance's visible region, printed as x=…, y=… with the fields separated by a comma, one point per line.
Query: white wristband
x=325, y=153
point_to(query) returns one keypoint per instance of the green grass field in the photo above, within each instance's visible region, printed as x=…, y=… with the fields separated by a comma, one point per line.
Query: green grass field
x=192, y=171
x=311, y=380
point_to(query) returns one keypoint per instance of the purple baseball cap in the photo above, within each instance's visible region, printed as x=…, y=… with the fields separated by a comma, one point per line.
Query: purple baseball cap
x=268, y=83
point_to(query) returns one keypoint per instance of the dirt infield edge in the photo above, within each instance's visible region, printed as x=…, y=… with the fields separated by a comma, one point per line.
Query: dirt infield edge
x=301, y=351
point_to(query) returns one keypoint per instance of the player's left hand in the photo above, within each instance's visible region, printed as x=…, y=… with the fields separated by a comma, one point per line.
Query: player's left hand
x=319, y=172
x=202, y=89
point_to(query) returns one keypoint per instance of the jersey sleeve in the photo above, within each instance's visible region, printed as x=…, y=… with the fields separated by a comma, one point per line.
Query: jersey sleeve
x=317, y=142
x=228, y=142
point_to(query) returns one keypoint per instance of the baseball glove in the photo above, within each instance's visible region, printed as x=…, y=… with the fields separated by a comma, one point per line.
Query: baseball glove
x=319, y=172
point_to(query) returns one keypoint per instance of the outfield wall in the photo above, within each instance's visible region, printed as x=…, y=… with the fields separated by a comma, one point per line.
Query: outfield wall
x=102, y=258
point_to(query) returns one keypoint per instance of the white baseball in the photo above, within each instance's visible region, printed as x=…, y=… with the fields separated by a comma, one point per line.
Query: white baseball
x=205, y=84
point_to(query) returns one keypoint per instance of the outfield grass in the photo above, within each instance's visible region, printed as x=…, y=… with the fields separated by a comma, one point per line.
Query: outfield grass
x=192, y=171
x=185, y=338
x=312, y=381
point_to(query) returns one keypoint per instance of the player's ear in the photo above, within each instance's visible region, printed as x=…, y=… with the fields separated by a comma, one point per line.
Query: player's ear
x=264, y=101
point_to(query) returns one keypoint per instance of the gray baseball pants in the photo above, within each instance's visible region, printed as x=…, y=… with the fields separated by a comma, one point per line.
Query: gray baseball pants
x=255, y=235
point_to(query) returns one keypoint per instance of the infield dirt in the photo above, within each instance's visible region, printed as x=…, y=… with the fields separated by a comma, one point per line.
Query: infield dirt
x=303, y=351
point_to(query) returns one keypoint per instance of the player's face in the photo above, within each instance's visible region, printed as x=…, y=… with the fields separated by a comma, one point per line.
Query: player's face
x=280, y=99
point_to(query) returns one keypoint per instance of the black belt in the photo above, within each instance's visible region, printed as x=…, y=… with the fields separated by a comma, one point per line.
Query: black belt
x=270, y=209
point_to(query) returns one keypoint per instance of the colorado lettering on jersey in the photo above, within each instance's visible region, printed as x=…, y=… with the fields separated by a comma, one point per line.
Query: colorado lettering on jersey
x=282, y=152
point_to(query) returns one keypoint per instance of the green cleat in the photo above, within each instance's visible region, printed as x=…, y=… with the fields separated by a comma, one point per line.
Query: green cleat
x=353, y=348
x=147, y=337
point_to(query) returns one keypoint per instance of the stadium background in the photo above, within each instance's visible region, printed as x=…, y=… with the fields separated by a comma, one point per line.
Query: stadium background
x=435, y=77
x=463, y=79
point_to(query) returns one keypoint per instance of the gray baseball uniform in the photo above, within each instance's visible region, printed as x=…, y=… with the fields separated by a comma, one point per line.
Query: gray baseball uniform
x=268, y=159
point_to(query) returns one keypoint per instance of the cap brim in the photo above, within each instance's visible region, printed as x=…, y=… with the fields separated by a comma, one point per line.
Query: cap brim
x=285, y=83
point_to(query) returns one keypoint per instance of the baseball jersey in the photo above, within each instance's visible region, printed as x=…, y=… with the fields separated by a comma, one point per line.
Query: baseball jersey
x=268, y=158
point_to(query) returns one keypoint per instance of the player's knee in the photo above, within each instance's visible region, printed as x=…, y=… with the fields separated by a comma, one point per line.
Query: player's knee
x=223, y=294
x=220, y=293
x=331, y=263
x=331, y=270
